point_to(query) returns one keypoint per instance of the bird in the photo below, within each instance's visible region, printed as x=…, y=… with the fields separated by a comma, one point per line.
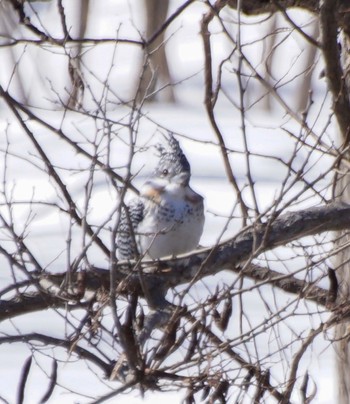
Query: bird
x=167, y=217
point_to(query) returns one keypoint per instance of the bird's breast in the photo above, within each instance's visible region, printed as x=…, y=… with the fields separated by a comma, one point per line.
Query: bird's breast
x=172, y=224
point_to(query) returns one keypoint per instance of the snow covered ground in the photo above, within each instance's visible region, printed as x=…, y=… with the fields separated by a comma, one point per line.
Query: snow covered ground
x=47, y=239
x=266, y=136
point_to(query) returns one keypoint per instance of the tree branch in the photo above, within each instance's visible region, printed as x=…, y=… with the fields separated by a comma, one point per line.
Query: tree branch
x=29, y=303
x=59, y=132
x=192, y=267
x=254, y=241
x=73, y=210
x=255, y=7
x=66, y=344
x=209, y=99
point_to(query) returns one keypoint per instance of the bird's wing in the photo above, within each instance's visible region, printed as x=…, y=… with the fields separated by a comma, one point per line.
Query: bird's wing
x=131, y=216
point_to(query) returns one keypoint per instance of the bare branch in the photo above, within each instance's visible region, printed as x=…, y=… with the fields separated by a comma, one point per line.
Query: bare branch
x=254, y=7
x=29, y=303
x=63, y=343
x=229, y=256
x=53, y=173
x=179, y=322
x=209, y=99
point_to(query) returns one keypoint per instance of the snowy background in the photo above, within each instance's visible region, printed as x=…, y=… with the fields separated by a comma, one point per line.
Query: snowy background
x=267, y=136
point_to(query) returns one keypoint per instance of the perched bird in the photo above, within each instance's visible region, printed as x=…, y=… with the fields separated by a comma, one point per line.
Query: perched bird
x=167, y=218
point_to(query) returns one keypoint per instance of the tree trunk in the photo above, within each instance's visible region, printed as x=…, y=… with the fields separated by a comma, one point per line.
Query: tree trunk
x=337, y=72
x=74, y=63
x=342, y=189
x=305, y=85
x=155, y=73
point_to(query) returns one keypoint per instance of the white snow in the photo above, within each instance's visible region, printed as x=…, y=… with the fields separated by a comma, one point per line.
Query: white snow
x=266, y=136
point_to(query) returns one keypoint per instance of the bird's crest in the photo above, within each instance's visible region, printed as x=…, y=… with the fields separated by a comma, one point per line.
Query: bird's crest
x=171, y=158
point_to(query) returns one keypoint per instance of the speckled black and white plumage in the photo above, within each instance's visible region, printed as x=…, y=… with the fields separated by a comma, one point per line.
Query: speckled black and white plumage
x=167, y=218
x=171, y=159
x=131, y=216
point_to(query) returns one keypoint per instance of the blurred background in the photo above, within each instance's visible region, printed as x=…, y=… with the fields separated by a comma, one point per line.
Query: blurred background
x=109, y=76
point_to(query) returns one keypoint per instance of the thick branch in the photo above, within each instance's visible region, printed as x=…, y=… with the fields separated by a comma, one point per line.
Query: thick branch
x=254, y=7
x=229, y=255
x=254, y=241
x=29, y=303
x=66, y=344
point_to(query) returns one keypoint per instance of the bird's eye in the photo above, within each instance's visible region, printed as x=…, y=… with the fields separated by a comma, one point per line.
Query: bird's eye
x=165, y=172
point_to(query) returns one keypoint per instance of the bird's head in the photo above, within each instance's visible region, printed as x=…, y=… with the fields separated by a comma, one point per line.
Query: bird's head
x=173, y=165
